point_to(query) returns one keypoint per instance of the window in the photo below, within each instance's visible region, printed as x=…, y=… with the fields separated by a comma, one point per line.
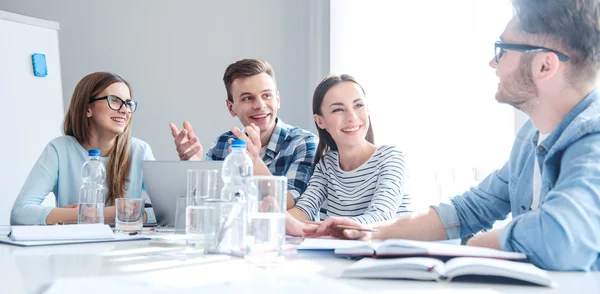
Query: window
x=430, y=90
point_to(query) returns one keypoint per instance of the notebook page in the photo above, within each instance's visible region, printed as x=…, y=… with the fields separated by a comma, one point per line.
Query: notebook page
x=496, y=267
x=399, y=247
x=418, y=268
x=410, y=263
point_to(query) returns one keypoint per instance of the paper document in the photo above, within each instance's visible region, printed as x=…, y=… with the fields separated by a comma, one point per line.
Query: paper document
x=118, y=237
x=64, y=232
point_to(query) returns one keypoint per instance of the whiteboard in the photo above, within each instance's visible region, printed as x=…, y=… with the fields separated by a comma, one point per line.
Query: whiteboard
x=32, y=107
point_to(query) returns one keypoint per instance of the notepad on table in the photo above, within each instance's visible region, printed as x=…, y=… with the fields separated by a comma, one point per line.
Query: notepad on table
x=408, y=248
x=460, y=268
x=65, y=232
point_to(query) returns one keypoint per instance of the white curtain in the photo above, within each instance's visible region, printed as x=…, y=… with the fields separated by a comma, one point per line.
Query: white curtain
x=430, y=90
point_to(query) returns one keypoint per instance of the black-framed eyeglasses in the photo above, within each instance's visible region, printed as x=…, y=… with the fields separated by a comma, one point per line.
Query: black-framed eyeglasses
x=500, y=48
x=115, y=103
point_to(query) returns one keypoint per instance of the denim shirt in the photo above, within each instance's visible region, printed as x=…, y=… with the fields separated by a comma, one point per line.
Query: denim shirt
x=564, y=232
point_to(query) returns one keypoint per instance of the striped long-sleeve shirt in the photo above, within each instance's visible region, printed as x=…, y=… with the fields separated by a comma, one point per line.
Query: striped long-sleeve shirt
x=373, y=192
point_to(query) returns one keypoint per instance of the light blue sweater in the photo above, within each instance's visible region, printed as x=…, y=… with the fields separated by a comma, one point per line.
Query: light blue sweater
x=58, y=170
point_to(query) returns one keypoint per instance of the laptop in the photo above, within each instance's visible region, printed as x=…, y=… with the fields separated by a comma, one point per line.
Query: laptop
x=165, y=180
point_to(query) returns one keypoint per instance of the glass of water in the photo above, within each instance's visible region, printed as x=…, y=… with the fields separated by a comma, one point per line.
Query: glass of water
x=129, y=217
x=201, y=185
x=180, y=207
x=222, y=226
x=265, y=235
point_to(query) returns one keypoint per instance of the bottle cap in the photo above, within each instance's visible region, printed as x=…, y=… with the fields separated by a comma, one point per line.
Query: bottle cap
x=237, y=143
x=94, y=152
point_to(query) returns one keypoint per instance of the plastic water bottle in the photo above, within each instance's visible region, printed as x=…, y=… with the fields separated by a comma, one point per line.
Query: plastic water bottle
x=91, y=193
x=236, y=168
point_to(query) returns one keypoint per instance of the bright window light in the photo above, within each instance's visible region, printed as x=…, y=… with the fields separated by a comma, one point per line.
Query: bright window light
x=430, y=90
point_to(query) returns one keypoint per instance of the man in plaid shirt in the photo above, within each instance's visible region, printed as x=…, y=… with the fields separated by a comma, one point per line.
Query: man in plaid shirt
x=275, y=147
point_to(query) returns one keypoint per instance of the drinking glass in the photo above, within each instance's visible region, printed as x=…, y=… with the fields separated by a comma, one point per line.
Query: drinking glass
x=201, y=185
x=265, y=235
x=129, y=216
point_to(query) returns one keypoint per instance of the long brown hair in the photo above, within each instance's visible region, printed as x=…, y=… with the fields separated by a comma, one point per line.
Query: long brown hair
x=326, y=142
x=77, y=124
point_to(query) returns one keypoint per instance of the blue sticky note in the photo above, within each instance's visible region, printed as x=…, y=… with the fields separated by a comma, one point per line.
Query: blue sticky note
x=39, y=65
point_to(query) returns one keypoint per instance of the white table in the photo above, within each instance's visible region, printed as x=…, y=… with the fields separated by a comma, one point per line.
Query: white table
x=24, y=270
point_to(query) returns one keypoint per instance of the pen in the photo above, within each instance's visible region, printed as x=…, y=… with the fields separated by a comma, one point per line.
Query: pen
x=345, y=227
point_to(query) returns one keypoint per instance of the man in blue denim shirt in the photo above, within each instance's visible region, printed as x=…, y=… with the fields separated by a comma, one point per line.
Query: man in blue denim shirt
x=547, y=62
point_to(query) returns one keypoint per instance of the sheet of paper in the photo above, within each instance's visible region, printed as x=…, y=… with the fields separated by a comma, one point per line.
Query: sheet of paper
x=118, y=237
x=65, y=232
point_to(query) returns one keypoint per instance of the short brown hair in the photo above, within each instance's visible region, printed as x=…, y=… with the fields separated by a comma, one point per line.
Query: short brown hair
x=245, y=68
x=573, y=25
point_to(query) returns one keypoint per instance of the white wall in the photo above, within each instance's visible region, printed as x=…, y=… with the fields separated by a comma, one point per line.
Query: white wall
x=174, y=54
x=24, y=137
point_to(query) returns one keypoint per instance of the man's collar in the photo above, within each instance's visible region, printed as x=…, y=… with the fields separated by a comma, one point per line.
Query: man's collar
x=579, y=111
x=277, y=137
x=279, y=133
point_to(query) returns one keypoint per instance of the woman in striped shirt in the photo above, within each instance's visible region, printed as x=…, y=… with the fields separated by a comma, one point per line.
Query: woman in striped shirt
x=352, y=177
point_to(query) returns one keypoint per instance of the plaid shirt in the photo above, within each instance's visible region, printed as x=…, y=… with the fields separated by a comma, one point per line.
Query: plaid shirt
x=290, y=153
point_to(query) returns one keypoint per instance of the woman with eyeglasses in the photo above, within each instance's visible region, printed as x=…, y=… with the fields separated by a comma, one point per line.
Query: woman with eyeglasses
x=99, y=117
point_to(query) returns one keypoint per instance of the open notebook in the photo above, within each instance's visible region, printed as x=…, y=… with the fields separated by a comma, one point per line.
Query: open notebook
x=460, y=268
x=406, y=248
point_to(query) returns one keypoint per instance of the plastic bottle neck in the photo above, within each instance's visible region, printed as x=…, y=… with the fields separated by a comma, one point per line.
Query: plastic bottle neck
x=238, y=150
